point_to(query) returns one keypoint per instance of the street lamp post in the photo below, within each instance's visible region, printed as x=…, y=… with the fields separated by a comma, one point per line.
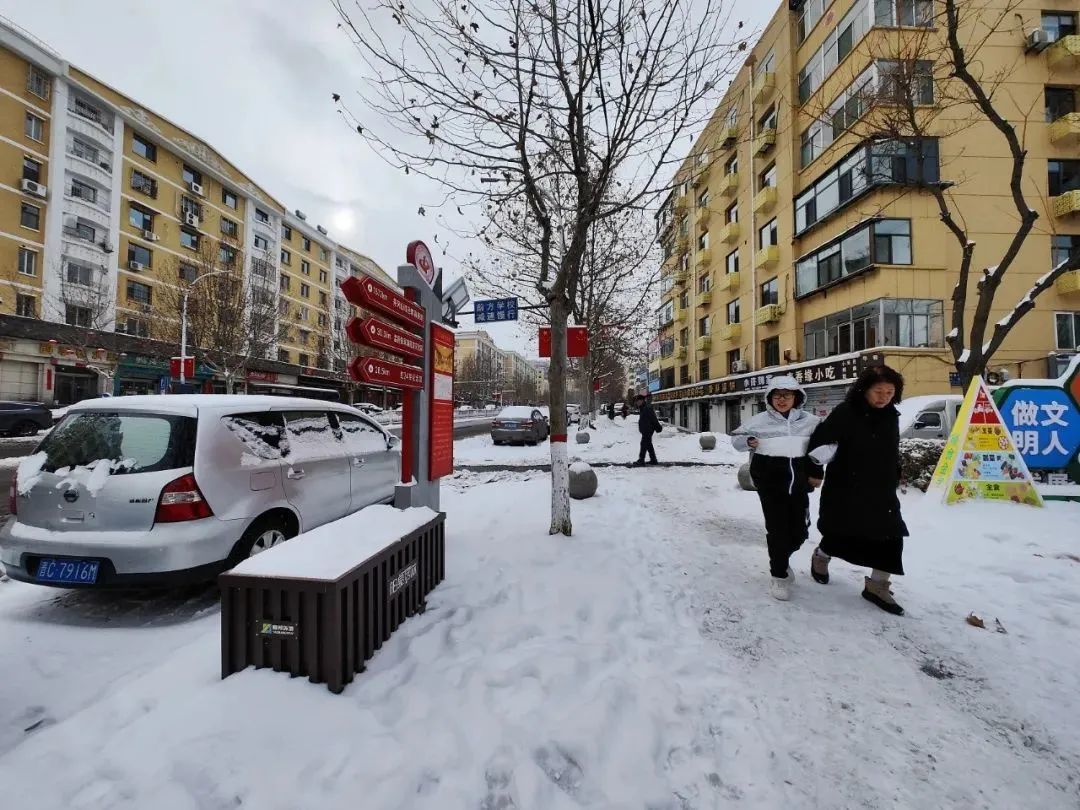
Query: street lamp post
x=183, y=320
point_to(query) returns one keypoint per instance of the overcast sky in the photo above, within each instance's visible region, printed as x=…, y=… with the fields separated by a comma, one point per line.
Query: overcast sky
x=254, y=79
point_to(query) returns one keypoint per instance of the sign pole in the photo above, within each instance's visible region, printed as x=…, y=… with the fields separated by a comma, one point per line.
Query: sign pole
x=408, y=418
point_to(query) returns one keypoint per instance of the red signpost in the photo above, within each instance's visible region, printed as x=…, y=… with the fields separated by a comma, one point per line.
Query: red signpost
x=375, y=333
x=441, y=447
x=383, y=372
x=364, y=291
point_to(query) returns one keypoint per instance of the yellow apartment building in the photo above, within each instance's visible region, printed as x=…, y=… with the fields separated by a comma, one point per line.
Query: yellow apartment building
x=107, y=209
x=795, y=243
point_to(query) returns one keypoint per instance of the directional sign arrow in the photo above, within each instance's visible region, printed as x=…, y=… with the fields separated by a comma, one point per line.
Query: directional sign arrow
x=382, y=372
x=380, y=335
x=364, y=291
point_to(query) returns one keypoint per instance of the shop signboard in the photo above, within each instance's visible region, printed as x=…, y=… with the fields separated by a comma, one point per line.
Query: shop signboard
x=441, y=406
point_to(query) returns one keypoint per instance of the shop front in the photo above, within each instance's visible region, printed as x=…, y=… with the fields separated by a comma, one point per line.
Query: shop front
x=138, y=374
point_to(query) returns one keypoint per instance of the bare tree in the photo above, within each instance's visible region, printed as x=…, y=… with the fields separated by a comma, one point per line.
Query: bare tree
x=924, y=83
x=231, y=315
x=513, y=101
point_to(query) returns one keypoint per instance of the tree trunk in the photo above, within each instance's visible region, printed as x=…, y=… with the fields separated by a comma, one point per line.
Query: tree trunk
x=560, y=464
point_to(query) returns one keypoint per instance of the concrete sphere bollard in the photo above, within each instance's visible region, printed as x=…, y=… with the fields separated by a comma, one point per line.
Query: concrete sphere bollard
x=581, y=437
x=745, y=481
x=707, y=441
x=583, y=481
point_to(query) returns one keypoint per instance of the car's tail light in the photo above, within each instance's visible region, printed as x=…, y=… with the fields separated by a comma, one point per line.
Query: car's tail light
x=181, y=500
x=13, y=495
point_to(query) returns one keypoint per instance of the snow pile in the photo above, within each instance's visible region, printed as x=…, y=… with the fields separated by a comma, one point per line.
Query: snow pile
x=29, y=471
x=579, y=467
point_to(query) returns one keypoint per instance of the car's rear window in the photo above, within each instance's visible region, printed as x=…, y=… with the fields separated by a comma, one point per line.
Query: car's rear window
x=516, y=412
x=136, y=442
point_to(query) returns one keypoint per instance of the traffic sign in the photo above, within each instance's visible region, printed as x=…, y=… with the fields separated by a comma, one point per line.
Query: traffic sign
x=418, y=255
x=499, y=309
x=381, y=372
x=373, y=332
x=364, y=291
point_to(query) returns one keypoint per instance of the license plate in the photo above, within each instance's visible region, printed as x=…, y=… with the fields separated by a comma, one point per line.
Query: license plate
x=75, y=572
x=510, y=425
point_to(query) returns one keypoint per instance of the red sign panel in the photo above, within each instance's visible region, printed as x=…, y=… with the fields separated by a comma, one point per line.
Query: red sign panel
x=189, y=367
x=418, y=255
x=441, y=404
x=373, y=332
x=364, y=291
x=381, y=372
x=577, y=341
x=262, y=376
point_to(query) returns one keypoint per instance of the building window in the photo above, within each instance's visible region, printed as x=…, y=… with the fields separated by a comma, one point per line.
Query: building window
x=911, y=323
x=27, y=262
x=734, y=358
x=143, y=148
x=703, y=241
x=324, y=255
x=285, y=282
x=768, y=121
x=904, y=13
x=1062, y=248
x=768, y=235
x=733, y=311
x=262, y=216
x=190, y=208
x=84, y=150
x=141, y=182
x=767, y=179
x=703, y=199
x=703, y=369
x=303, y=359
x=732, y=166
x=323, y=320
x=34, y=128
x=703, y=326
x=890, y=240
x=1063, y=176
x=30, y=216
x=303, y=336
x=704, y=283
x=770, y=292
x=770, y=352
x=84, y=192
x=305, y=291
x=262, y=268
x=188, y=273
x=732, y=214
x=192, y=177
x=37, y=82
x=323, y=276
x=905, y=81
x=137, y=253
x=139, y=218
x=1058, y=24
x=286, y=257
x=811, y=144
x=229, y=228
x=305, y=267
x=226, y=255
x=306, y=243
x=684, y=300
x=324, y=299
x=732, y=262
x=78, y=316
x=283, y=356
x=286, y=233
x=1059, y=102
x=139, y=293
x=228, y=198
x=137, y=327
x=684, y=375
x=189, y=239
x=261, y=242
x=25, y=306
x=31, y=170
x=80, y=274
x=79, y=229
x=1068, y=330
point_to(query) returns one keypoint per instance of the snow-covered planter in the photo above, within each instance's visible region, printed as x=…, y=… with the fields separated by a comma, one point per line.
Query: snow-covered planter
x=918, y=458
x=707, y=441
x=583, y=481
x=745, y=481
x=582, y=437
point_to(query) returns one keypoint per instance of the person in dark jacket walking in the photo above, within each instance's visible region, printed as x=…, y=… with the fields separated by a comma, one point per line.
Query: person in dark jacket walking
x=625, y=411
x=782, y=473
x=648, y=424
x=859, y=517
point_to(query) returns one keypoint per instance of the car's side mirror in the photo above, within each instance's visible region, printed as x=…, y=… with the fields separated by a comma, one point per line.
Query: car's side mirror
x=392, y=441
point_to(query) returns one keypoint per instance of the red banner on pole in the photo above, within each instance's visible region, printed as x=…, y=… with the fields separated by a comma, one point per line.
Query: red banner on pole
x=373, y=332
x=364, y=291
x=441, y=403
x=577, y=341
x=189, y=368
x=382, y=372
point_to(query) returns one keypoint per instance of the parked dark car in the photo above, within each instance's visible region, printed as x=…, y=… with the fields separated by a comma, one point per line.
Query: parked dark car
x=519, y=423
x=24, y=418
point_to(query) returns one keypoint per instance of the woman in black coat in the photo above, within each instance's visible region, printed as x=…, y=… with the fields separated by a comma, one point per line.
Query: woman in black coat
x=859, y=516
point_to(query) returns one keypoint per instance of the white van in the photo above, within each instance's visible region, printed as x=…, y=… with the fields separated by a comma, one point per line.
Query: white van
x=931, y=416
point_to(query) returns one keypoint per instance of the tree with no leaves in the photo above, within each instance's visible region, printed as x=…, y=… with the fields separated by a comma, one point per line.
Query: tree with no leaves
x=927, y=81
x=527, y=104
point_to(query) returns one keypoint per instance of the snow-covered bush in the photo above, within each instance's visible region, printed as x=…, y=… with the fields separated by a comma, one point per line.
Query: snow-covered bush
x=918, y=458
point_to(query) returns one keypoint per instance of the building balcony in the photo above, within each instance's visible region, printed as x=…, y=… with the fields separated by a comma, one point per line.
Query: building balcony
x=682, y=244
x=1068, y=283
x=729, y=233
x=705, y=298
x=765, y=200
x=731, y=332
x=704, y=216
x=764, y=141
x=1066, y=130
x=680, y=316
x=681, y=276
x=681, y=206
x=1067, y=204
x=728, y=281
x=767, y=257
x=1064, y=54
x=680, y=353
x=729, y=184
x=704, y=343
x=704, y=260
x=770, y=313
x=702, y=176
x=729, y=136
x=764, y=85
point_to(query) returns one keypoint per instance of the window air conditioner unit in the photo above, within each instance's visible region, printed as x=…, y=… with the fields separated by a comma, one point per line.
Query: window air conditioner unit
x=30, y=187
x=1037, y=39
x=739, y=366
x=196, y=189
x=135, y=266
x=150, y=236
x=191, y=219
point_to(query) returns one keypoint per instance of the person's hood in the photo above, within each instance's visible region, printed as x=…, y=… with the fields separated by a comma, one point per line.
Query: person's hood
x=784, y=382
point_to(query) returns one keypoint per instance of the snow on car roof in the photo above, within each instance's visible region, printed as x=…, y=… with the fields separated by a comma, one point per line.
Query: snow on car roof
x=912, y=406
x=191, y=404
x=517, y=411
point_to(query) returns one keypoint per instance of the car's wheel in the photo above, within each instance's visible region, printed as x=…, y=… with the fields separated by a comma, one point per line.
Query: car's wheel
x=25, y=428
x=264, y=534
x=496, y=441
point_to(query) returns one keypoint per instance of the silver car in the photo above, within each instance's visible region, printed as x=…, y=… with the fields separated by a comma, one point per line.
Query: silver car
x=519, y=423
x=161, y=490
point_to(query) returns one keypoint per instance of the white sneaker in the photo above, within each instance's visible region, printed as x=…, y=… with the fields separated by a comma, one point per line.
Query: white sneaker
x=780, y=588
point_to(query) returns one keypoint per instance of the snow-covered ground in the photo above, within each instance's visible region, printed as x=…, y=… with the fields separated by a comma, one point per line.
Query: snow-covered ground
x=610, y=441
x=638, y=664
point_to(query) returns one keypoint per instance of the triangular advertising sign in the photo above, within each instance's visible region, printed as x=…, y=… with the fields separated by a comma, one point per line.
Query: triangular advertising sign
x=980, y=460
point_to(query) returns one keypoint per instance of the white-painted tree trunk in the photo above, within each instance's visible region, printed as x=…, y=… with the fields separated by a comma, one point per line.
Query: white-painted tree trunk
x=560, y=489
